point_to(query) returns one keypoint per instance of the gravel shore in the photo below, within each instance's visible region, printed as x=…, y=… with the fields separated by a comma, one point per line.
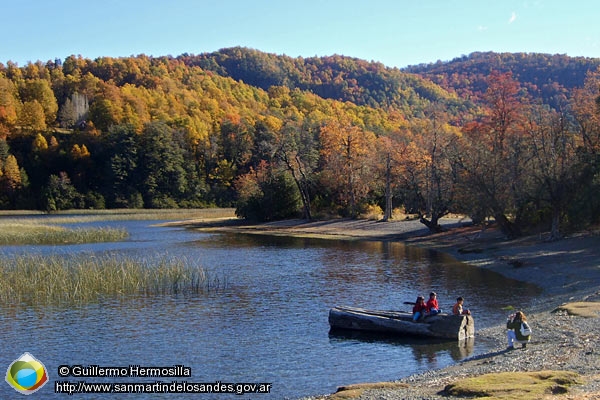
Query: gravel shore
x=560, y=342
x=568, y=270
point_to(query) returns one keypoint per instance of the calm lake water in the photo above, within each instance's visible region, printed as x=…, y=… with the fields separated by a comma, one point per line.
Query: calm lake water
x=267, y=320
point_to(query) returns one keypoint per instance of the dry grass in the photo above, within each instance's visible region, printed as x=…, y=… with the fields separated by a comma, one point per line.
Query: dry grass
x=15, y=231
x=43, y=230
x=581, y=309
x=515, y=385
x=355, y=391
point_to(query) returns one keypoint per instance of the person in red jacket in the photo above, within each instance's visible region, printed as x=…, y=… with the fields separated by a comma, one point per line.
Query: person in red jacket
x=419, y=309
x=432, y=304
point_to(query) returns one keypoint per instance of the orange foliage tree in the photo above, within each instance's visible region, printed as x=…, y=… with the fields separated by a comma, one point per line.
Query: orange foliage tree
x=491, y=160
x=347, y=152
x=429, y=168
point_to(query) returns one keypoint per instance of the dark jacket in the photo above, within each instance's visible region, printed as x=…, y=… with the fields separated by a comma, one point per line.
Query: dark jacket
x=516, y=326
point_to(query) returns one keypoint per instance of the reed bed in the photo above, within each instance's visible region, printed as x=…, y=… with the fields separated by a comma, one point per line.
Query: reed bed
x=15, y=231
x=56, y=280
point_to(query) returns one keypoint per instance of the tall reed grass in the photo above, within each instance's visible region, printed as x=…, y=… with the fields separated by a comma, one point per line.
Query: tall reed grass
x=56, y=280
x=15, y=231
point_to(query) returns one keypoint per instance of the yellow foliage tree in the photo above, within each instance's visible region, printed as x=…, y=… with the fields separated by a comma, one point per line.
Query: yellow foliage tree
x=39, y=90
x=53, y=143
x=32, y=116
x=78, y=152
x=9, y=104
x=12, y=173
x=39, y=143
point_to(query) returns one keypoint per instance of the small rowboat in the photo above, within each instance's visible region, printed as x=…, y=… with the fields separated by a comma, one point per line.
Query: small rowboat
x=399, y=323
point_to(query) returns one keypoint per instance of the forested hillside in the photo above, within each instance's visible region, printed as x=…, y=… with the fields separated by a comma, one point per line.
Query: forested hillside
x=547, y=77
x=512, y=136
x=335, y=77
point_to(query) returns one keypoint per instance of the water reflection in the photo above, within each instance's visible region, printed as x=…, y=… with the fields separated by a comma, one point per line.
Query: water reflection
x=269, y=323
x=383, y=275
x=425, y=351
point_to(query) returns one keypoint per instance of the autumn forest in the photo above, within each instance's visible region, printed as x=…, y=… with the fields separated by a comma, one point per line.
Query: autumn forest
x=514, y=137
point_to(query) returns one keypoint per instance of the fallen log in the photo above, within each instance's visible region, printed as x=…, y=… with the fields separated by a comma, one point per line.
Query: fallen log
x=399, y=323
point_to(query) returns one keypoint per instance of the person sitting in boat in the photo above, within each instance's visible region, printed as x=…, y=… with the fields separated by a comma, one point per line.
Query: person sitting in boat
x=458, y=307
x=419, y=309
x=432, y=304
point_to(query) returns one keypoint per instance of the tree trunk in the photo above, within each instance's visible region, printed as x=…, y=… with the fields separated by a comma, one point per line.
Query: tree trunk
x=433, y=225
x=507, y=227
x=301, y=185
x=388, y=191
x=305, y=197
x=555, y=230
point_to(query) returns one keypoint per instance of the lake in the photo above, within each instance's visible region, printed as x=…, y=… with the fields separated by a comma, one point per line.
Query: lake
x=264, y=320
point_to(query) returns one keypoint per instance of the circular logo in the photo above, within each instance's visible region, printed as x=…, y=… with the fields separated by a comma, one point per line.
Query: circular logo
x=26, y=374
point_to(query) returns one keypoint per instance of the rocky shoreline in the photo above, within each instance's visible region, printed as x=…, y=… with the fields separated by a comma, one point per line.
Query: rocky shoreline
x=560, y=342
x=567, y=270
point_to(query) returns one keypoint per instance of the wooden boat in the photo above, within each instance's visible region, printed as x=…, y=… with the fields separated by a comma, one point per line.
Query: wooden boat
x=399, y=323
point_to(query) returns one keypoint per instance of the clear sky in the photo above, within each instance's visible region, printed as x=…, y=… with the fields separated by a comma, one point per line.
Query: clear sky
x=395, y=32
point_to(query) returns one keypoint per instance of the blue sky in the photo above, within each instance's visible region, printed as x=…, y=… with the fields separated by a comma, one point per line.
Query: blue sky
x=395, y=32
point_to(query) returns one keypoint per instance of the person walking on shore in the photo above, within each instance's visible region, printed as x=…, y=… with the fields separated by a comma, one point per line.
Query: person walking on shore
x=518, y=330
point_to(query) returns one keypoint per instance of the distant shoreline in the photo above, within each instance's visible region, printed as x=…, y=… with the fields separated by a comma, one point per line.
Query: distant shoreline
x=531, y=259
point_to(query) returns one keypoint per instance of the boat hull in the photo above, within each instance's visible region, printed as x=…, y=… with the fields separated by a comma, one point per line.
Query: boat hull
x=441, y=326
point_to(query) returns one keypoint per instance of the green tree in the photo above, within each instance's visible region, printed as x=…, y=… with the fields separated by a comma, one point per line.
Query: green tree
x=266, y=194
x=60, y=194
x=4, y=149
x=163, y=176
x=123, y=161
